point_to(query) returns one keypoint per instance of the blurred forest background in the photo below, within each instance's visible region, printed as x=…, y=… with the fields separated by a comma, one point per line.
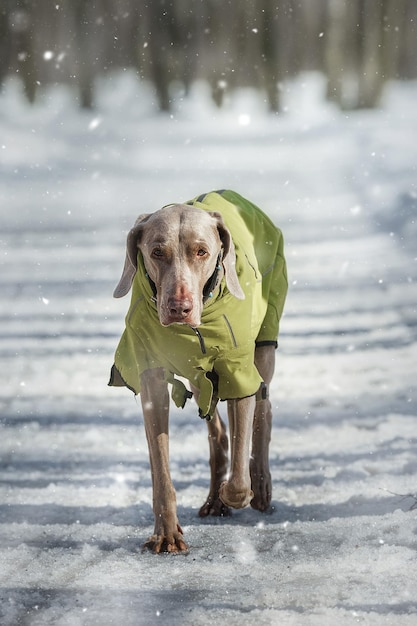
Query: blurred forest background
x=357, y=44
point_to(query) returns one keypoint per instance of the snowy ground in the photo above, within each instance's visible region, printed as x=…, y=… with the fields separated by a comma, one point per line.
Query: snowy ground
x=75, y=507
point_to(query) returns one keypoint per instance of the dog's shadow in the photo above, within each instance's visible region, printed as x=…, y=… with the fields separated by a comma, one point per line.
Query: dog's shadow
x=189, y=516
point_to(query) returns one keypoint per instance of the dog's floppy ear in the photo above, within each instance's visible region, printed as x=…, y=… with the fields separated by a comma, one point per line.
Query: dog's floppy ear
x=229, y=258
x=130, y=267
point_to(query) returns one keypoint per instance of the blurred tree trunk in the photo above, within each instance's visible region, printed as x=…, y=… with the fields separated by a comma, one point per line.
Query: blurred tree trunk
x=335, y=45
x=219, y=55
x=275, y=48
x=172, y=48
x=408, y=52
x=341, y=57
x=370, y=68
x=21, y=26
x=84, y=61
x=314, y=24
x=394, y=27
x=5, y=43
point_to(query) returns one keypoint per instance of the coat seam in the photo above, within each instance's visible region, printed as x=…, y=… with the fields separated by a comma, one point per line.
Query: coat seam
x=232, y=334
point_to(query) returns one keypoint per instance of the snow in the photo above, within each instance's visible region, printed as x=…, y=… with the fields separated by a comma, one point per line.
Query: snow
x=340, y=542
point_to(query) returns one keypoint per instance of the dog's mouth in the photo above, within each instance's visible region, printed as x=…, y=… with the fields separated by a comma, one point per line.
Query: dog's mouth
x=184, y=315
x=179, y=319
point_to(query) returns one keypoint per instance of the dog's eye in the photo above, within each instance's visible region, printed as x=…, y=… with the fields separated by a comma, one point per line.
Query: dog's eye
x=201, y=252
x=157, y=253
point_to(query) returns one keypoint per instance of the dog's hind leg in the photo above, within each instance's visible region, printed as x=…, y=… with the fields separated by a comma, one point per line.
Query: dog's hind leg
x=218, y=445
x=261, y=436
x=218, y=448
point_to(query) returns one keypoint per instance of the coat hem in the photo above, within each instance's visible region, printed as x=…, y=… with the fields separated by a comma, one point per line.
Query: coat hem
x=117, y=380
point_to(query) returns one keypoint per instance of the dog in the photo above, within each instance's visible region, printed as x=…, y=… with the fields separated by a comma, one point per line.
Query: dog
x=209, y=283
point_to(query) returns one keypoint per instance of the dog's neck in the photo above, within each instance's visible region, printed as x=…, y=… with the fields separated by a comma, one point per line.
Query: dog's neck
x=214, y=279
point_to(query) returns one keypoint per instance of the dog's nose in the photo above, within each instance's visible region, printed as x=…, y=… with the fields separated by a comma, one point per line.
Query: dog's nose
x=180, y=308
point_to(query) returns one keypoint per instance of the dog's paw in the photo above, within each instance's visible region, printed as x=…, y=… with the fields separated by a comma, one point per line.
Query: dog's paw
x=262, y=488
x=261, y=504
x=233, y=497
x=173, y=542
x=213, y=506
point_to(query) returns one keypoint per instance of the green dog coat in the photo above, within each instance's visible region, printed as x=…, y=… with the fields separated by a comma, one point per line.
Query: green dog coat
x=218, y=357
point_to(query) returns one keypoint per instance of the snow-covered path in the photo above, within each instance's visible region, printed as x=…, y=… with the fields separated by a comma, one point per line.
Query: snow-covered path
x=75, y=493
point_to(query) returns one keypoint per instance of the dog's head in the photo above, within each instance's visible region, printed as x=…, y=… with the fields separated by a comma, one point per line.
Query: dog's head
x=185, y=252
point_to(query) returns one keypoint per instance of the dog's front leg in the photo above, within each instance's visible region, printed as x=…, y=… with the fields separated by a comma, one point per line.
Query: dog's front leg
x=236, y=491
x=168, y=536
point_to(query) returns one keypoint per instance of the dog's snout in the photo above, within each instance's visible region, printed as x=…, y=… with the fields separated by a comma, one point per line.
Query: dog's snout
x=179, y=307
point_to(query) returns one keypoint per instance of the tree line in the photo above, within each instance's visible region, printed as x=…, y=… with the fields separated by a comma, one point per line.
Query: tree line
x=357, y=44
